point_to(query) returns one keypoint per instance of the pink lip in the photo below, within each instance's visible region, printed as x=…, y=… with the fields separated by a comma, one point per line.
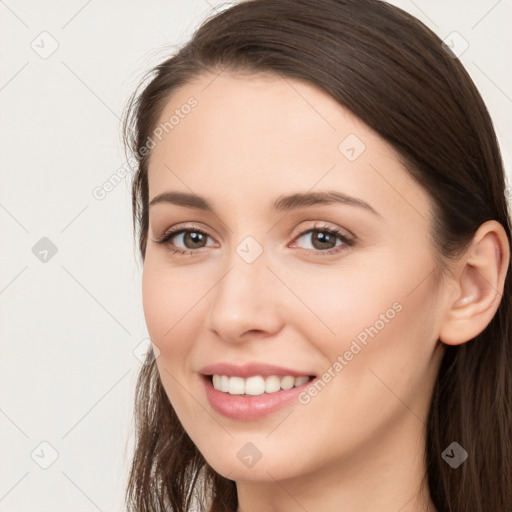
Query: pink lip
x=250, y=369
x=246, y=408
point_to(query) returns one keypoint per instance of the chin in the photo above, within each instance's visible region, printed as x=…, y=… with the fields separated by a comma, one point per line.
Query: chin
x=265, y=469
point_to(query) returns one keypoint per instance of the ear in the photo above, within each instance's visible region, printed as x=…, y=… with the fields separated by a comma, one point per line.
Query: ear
x=479, y=277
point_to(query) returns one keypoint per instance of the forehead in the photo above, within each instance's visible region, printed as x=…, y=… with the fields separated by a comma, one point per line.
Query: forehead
x=261, y=135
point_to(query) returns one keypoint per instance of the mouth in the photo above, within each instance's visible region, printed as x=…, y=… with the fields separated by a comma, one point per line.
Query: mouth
x=256, y=385
x=252, y=390
x=253, y=397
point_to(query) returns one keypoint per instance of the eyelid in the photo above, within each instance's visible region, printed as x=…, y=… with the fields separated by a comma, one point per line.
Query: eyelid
x=184, y=227
x=324, y=226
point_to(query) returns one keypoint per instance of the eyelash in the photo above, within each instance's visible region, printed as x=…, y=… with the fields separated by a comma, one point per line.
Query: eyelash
x=347, y=242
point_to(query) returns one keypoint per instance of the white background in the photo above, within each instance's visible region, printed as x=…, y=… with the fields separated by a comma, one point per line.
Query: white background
x=69, y=326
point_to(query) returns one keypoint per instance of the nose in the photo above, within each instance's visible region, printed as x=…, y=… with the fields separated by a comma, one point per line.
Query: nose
x=246, y=303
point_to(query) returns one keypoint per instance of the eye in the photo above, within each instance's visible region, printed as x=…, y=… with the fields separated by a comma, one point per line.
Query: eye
x=324, y=239
x=192, y=237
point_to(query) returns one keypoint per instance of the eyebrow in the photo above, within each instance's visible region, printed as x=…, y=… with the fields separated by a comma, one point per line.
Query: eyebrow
x=281, y=204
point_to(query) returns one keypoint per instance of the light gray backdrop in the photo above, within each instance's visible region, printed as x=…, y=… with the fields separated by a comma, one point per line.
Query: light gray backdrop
x=72, y=326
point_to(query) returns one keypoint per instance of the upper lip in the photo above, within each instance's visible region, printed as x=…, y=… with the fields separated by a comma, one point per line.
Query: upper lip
x=250, y=370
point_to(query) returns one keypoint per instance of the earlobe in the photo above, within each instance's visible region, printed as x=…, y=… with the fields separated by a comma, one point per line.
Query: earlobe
x=480, y=276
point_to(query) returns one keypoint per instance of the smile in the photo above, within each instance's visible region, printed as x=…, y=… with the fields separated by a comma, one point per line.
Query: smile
x=243, y=406
x=256, y=385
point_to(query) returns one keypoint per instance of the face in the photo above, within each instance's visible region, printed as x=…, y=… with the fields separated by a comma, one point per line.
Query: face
x=273, y=287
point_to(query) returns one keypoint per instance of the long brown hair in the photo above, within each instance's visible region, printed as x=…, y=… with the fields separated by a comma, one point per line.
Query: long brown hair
x=392, y=72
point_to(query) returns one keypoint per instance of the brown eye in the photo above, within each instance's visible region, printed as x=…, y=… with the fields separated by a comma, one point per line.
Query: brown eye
x=325, y=240
x=184, y=240
x=322, y=240
x=193, y=239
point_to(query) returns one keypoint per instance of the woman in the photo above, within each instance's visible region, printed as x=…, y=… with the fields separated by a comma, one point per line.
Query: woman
x=321, y=214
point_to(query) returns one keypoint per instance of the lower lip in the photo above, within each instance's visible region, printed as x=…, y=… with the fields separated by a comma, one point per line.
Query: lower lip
x=246, y=407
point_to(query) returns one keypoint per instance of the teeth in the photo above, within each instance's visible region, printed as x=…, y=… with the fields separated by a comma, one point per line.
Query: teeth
x=253, y=385
x=236, y=386
x=272, y=384
x=256, y=385
x=224, y=383
x=287, y=382
x=301, y=380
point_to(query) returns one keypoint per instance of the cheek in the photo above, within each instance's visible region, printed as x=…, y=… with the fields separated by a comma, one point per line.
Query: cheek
x=334, y=305
x=379, y=316
x=168, y=305
x=387, y=347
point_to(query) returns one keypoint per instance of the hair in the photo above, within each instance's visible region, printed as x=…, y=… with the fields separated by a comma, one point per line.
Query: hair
x=393, y=72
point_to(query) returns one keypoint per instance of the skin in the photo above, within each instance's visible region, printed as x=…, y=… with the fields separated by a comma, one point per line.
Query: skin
x=358, y=445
